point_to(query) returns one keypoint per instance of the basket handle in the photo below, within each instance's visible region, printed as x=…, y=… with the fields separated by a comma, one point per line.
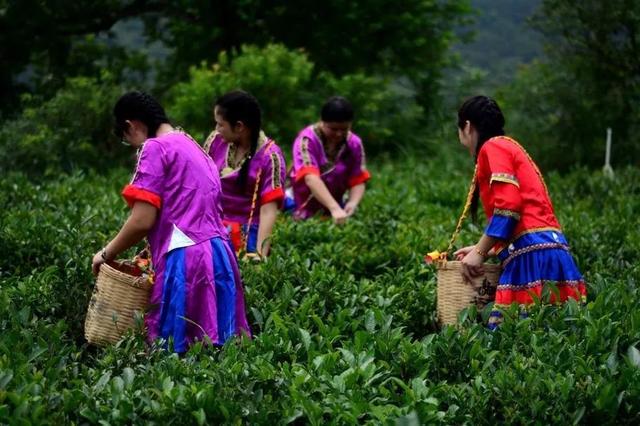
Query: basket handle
x=472, y=189
x=463, y=216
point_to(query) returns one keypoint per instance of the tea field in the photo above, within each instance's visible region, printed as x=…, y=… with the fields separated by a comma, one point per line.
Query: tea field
x=343, y=319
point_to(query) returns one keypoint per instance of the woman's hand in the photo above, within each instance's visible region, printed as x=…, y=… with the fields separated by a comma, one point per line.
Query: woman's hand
x=141, y=220
x=460, y=254
x=350, y=208
x=339, y=216
x=472, y=265
x=98, y=259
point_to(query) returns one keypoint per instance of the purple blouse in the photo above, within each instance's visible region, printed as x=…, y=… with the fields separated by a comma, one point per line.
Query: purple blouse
x=268, y=161
x=175, y=175
x=348, y=169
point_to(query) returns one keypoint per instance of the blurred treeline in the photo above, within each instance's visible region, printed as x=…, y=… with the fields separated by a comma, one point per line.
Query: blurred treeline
x=563, y=71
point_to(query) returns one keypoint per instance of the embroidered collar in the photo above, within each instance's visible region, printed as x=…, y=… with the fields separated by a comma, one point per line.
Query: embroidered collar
x=231, y=152
x=339, y=149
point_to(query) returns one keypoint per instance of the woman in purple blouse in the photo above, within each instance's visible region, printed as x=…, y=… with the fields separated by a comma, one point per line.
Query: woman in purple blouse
x=175, y=201
x=328, y=161
x=252, y=171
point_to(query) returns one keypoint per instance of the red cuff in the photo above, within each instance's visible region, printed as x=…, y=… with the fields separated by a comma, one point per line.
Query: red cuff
x=307, y=170
x=361, y=178
x=273, y=195
x=132, y=194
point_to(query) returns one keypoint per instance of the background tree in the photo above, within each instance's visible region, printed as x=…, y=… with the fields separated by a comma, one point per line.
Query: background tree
x=402, y=39
x=589, y=81
x=44, y=42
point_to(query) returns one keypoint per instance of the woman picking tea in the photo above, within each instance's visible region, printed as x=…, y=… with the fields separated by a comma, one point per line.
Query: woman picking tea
x=328, y=162
x=522, y=229
x=252, y=171
x=174, y=198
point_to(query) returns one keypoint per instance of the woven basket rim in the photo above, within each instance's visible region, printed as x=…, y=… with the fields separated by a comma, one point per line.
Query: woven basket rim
x=456, y=264
x=112, y=272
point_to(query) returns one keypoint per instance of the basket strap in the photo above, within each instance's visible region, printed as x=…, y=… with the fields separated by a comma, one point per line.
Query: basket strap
x=533, y=164
x=254, y=199
x=465, y=212
x=472, y=189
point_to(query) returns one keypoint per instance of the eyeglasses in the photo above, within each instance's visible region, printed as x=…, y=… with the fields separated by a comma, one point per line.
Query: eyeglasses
x=119, y=131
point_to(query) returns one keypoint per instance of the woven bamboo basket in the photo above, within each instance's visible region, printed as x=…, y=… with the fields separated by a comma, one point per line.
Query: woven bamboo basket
x=120, y=295
x=454, y=294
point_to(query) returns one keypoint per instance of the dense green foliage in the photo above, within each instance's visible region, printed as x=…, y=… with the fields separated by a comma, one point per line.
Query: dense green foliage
x=588, y=82
x=70, y=130
x=291, y=97
x=344, y=318
x=45, y=42
x=501, y=41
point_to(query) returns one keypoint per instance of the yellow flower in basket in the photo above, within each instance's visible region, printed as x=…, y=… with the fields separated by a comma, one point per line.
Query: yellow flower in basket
x=431, y=257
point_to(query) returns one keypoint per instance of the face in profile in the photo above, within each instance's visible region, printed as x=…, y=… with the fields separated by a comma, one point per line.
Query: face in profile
x=224, y=127
x=467, y=136
x=135, y=133
x=335, y=132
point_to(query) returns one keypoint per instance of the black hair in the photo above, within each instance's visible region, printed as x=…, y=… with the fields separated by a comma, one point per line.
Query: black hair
x=138, y=106
x=241, y=106
x=485, y=116
x=336, y=110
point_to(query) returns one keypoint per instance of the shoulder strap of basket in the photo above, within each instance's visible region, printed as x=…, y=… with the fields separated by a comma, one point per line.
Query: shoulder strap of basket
x=254, y=200
x=533, y=164
x=465, y=211
x=472, y=189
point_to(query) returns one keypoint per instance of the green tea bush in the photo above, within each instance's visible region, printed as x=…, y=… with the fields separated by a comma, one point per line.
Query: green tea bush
x=291, y=96
x=343, y=318
x=279, y=78
x=70, y=131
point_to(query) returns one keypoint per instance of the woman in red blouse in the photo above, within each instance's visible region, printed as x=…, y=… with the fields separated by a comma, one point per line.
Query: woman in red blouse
x=522, y=228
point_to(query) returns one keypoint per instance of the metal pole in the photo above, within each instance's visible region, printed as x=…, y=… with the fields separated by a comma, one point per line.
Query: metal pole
x=607, y=170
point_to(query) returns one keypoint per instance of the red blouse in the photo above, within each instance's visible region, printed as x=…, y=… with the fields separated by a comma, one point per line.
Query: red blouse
x=513, y=194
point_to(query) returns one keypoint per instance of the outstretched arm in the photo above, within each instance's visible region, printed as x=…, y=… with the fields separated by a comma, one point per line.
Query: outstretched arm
x=322, y=194
x=355, y=196
x=268, y=216
x=141, y=220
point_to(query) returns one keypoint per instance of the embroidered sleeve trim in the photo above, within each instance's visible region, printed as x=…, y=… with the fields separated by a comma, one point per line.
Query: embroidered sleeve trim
x=361, y=178
x=508, y=213
x=304, y=149
x=209, y=141
x=273, y=195
x=308, y=170
x=131, y=194
x=363, y=162
x=275, y=171
x=504, y=177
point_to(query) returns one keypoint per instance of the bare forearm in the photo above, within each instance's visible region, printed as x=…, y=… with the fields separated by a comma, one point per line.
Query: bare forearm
x=268, y=216
x=320, y=192
x=356, y=193
x=136, y=227
x=485, y=244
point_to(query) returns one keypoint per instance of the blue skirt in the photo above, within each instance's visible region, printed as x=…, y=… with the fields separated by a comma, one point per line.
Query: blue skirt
x=532, y=261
